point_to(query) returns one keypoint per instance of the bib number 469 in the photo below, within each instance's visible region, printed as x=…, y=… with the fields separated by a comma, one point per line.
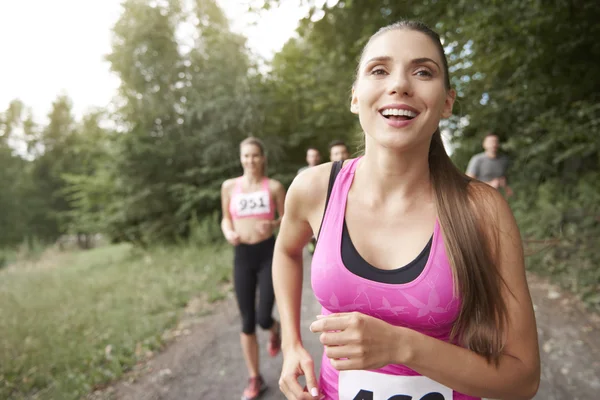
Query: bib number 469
x=368, y=395
x=371, y=385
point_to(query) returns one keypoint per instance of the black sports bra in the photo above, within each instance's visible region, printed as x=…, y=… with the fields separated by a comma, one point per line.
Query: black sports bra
x=356, y=264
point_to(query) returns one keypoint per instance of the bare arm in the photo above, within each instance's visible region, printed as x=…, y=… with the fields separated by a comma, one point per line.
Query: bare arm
x=279, y=196
x=518, y=372
x=294, y=234
x=304, y=203
x=227, y=223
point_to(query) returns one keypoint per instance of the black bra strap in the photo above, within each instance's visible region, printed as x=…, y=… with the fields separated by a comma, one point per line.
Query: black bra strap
x=335, y=170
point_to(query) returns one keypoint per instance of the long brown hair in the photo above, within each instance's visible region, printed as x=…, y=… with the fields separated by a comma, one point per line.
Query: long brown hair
x=258, y=143
x=481, y=323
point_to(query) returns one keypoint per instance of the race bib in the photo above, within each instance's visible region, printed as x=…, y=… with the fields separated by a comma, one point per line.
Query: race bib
x=256, y=203
x=368, y=385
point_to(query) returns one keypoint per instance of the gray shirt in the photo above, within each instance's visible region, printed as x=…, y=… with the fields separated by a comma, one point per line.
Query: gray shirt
x=486, y=169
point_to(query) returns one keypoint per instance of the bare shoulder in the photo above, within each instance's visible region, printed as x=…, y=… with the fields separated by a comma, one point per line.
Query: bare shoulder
x=488, y=203
x=228, y=184
x=310, y=187
x=498, y=224
x=275, y=186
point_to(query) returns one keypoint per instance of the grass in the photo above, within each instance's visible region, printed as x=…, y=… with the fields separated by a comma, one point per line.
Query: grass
x=80, y=320
x=29, y=250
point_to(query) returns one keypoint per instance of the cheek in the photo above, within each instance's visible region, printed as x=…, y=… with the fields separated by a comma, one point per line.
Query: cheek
x=365, y=93
x=365, y=109
x=436, y=98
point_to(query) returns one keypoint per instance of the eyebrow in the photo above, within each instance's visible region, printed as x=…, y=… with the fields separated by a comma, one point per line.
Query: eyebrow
x=421, y=60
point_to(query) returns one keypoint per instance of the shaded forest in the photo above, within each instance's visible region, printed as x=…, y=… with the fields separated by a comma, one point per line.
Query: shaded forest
x=149, y=169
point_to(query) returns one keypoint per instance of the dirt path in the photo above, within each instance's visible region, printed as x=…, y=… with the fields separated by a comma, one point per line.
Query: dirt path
x=569, y=344
x=207, y=363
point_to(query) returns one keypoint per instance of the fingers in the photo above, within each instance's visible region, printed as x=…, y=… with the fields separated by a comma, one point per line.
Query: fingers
x=335, y=322
x=308, y=366
x=289, y=386
x=344, y=364
x=288, y=383
x=340, y=338
x=352, y=352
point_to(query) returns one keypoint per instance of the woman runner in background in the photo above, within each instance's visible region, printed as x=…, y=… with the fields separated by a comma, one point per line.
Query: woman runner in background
x=249, y=203
x=418, y=268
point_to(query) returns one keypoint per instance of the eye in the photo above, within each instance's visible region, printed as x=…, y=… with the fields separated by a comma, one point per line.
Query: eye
x=378, y=71
x=424, y=72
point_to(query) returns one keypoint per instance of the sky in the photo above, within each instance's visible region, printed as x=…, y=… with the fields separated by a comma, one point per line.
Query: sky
x=49, y=47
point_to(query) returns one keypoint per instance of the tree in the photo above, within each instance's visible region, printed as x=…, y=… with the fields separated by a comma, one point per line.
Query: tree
x=89, y=188
x=12, y=178
x=185, y=106
x=51, y=148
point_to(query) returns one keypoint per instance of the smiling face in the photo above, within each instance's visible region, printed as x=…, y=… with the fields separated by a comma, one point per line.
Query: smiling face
x=252, y=158
x=400, y=93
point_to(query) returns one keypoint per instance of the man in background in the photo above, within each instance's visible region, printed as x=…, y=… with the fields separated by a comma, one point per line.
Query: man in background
x=338, y=151
x=313, y=157
x=490, y=166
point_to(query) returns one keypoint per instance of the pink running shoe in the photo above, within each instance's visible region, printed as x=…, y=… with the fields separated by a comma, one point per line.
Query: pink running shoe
x=274, y=345
x=256, y=387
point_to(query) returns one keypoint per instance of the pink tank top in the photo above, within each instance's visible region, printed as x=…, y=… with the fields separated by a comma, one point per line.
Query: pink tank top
x=258, y=204
x=426, y=304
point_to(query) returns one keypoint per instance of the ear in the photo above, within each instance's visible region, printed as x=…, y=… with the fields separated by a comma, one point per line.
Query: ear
x=354, y=102
x=449, y=103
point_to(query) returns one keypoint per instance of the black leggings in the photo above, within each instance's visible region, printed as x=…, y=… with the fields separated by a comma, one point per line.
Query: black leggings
x=252, y=267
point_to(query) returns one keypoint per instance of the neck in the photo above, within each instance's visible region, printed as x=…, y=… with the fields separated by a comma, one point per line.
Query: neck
x=491, y=153
x=402, y=174
x=253, y=177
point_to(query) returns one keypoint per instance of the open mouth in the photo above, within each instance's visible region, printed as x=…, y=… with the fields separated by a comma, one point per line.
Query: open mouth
x=395, y=114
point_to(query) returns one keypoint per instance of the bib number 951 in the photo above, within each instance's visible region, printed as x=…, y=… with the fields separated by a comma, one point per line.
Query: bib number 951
x=253, y=203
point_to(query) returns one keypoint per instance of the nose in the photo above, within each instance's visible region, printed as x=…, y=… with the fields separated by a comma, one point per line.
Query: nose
x=400, y=84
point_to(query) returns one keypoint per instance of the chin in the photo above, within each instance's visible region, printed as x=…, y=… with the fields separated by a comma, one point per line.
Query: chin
x=399, y=141
x=396, y=139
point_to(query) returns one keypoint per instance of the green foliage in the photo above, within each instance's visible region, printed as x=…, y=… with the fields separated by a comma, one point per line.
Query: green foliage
x=12, y=192
x=89, y=189
x=190, y=92
x=15, y=184
x=185, y=109
x=206, y=231
x=564, y=244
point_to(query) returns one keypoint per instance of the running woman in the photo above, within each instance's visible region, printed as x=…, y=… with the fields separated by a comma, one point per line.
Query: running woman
x=249, y=203
x=418, y=268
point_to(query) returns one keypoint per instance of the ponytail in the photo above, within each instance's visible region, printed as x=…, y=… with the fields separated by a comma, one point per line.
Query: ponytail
x=481, y=322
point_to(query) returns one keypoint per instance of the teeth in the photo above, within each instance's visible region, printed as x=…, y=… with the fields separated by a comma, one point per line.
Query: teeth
x=398, y=112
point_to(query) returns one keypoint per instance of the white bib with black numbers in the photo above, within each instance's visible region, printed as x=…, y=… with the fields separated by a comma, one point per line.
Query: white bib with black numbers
x=368, y=385
x=255, y=203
